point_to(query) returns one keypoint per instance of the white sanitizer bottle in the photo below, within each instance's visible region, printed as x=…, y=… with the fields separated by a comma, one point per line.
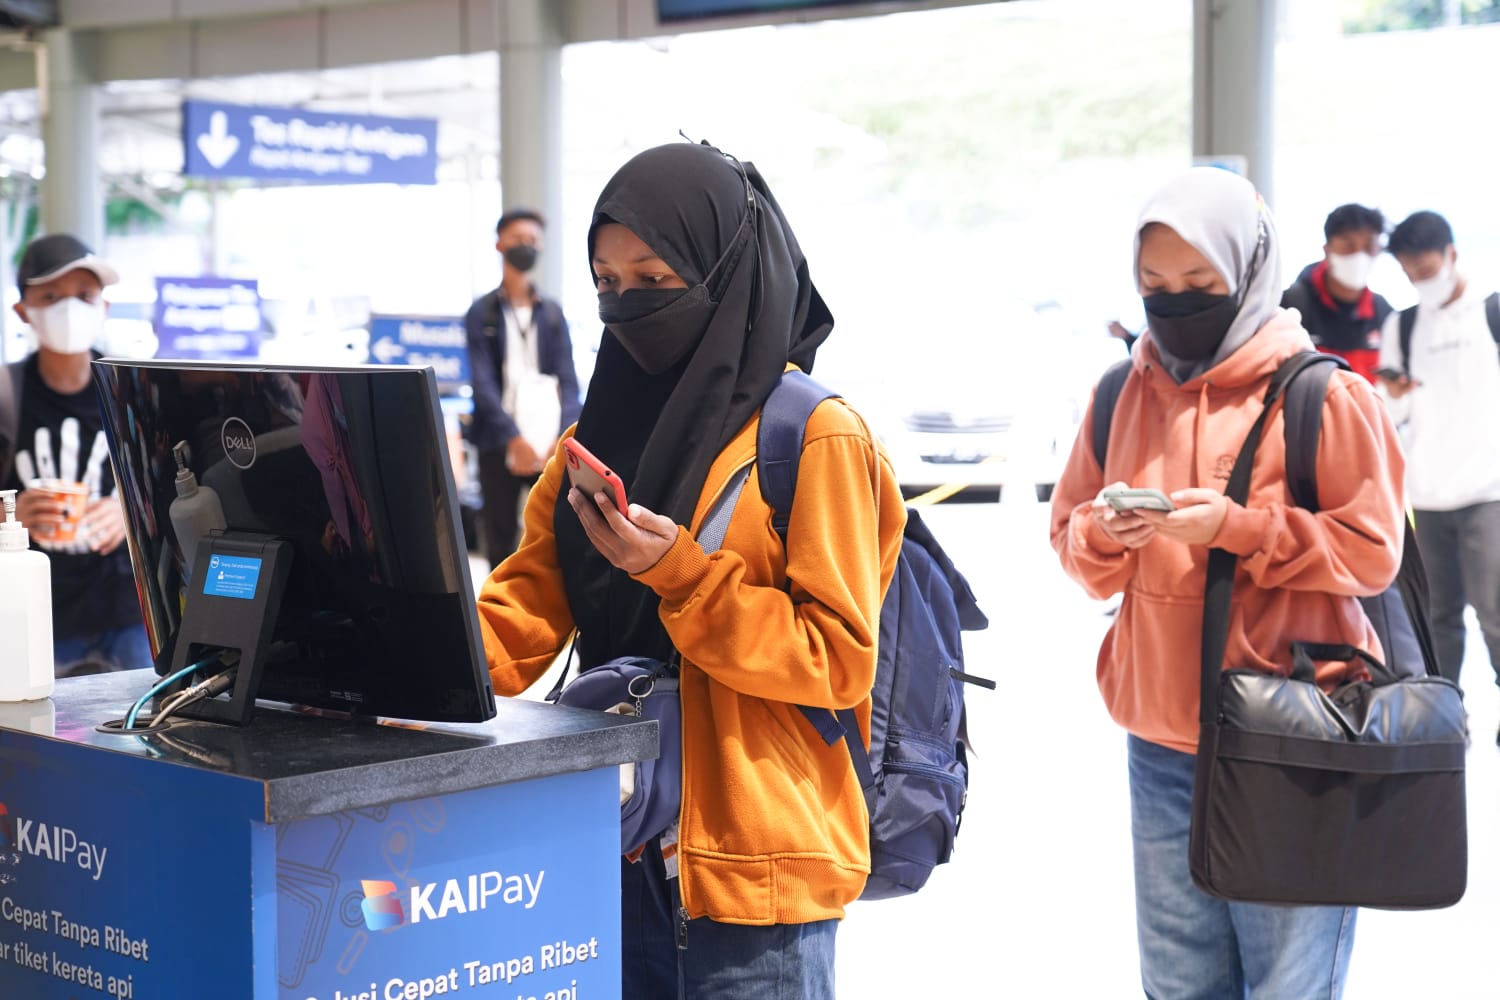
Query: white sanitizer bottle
x=25, y=612
x=196, y=511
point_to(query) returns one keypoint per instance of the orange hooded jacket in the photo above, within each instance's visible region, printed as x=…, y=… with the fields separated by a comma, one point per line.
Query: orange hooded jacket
x=1298, y=572
x=773, y=827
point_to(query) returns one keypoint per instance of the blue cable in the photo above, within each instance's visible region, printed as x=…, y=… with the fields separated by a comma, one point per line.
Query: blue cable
x=140, y=703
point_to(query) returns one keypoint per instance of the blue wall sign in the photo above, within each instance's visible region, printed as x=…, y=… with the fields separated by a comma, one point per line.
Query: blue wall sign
x=438, y=341
x=207, y=318
x=236, y=140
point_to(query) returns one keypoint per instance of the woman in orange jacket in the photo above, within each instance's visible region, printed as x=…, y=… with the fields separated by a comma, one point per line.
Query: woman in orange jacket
x=1208, y=269
x=706, y=300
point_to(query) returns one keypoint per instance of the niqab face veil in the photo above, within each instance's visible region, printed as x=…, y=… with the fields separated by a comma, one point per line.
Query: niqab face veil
x=1223, y=218
x=716, y=224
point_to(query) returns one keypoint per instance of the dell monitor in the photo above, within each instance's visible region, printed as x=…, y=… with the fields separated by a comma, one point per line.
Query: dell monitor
x=304, y=520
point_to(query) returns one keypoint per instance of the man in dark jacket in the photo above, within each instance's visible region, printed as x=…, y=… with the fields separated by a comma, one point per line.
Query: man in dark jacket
x=1338, y=309
x=525, y=386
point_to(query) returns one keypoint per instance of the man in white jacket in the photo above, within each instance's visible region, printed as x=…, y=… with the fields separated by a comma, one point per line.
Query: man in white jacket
x=1444, y=370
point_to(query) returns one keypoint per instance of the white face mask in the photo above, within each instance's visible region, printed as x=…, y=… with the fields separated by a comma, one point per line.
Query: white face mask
x=1434, y=292
x=1352, y=270
x=70, y=326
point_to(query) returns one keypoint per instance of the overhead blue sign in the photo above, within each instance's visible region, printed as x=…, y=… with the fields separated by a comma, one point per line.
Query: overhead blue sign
x=237, y=140
x=207, y=318
x=438, y=341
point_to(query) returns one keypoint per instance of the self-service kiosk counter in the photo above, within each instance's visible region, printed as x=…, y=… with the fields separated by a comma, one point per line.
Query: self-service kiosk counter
x=309, y=857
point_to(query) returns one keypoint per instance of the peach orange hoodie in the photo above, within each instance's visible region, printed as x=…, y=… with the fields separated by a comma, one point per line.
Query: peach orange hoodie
x=1298, y=572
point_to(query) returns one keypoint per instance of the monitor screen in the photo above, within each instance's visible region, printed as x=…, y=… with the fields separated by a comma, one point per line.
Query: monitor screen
x=347, y=465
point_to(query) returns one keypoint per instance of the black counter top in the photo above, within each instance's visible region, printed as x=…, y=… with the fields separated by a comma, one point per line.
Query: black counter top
x=313, y=764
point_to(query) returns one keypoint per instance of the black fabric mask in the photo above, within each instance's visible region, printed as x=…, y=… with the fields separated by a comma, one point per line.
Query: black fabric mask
x=1190, y=325
x=658, y=326
x=522, y=257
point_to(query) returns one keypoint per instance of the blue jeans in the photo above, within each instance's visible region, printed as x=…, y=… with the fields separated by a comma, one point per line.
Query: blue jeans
x=1194, y=945
x=715, y=961
x=119, y=649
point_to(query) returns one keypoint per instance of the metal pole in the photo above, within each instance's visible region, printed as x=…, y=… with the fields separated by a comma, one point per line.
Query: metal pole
x=1234, y=84
x=531, y=119
x=72, y=199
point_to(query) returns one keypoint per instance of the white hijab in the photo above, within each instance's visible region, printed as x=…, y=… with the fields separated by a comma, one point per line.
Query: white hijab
x=1223, y=217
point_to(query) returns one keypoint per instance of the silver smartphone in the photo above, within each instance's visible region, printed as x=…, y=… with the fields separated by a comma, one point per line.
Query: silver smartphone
x=1138, y=499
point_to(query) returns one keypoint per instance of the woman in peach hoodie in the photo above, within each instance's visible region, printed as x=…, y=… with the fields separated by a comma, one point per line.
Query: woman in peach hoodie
x=1207, y=265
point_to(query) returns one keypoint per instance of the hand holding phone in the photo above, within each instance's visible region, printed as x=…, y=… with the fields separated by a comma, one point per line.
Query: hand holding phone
x=1122, y=500
x=592, y=476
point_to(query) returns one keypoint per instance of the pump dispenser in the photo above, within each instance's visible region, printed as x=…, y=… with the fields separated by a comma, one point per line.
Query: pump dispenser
x=196, y=511
x=25, y=612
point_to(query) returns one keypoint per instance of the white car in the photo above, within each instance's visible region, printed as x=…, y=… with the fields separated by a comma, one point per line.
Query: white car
x=997, y=410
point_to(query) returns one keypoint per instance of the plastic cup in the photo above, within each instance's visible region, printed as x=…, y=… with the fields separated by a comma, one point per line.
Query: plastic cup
x=74, y=498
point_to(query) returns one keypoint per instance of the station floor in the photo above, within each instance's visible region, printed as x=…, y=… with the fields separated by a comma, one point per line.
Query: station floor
x=1038, y=899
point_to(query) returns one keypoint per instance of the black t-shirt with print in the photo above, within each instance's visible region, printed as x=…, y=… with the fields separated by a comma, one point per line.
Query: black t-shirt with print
x=91, y=593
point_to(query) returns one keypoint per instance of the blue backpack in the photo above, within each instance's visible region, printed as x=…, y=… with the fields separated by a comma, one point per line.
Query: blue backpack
x=915, y=775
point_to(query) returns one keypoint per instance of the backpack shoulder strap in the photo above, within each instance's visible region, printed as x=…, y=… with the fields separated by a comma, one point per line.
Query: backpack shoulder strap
x=12, y=378
x=1297, y=297
x=1106, y=395
x=1304, y=426
x=1408, y=324
x=778, y=442
x=778, y=456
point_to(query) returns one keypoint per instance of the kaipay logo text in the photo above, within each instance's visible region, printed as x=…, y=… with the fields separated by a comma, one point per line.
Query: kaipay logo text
x=383, y=910
x=50, y=842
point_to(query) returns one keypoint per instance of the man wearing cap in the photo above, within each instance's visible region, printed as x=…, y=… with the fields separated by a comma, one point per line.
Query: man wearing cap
x=525, y=385
x=52, y=430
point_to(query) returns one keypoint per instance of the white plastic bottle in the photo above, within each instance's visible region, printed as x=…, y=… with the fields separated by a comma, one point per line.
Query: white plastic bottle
x=25, y=612
x=196, y=511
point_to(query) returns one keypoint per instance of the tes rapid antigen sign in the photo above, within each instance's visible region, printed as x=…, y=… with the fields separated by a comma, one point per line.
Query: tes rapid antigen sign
x=278, y=143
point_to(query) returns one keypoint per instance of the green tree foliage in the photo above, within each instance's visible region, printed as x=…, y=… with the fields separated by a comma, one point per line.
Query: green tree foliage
x=1411, y=15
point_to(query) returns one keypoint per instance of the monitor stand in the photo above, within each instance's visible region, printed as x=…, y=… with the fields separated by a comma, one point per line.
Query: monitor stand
x=231, y=606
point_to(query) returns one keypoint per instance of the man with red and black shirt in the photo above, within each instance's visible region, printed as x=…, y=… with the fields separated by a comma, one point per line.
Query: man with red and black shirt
x=1338, y=309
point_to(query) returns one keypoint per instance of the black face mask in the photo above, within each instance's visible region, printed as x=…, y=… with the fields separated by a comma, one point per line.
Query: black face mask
x=1190, y=325
x=522, y=257
x=658, y=326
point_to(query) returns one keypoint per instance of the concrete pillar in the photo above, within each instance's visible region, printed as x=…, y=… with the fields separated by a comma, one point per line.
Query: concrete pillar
x=72, y=197
x=1234, y=85
x=531, y=121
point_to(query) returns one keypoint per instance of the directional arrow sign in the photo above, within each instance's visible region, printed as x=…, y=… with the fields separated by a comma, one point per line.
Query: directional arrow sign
x=437, y=342
x=237, y=140
x=217, y=145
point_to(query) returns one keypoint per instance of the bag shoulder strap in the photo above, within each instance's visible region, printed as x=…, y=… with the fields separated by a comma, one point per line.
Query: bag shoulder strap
x=1298, y=297
x=1408, y=324
x=1106, y=395
x=1304, y=427
x=778, y=457
x=1218, y=585
x=710, y=536
x=778, y=442
x=1492, y=315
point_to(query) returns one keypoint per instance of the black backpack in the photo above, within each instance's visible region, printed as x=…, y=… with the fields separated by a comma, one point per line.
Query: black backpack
x=1399, y=614
x=916, y=775
x=1409, y=323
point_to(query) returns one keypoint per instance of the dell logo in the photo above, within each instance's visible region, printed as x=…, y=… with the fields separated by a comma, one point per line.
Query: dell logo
x=239, y=443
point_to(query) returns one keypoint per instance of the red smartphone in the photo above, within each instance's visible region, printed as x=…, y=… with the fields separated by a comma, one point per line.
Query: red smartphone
x=592, y=476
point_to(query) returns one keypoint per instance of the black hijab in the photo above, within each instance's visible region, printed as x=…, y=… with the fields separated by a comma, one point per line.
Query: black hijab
x=661, y=432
